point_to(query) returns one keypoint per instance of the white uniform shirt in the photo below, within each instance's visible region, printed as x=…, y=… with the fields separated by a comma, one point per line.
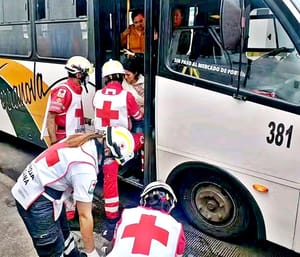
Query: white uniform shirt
x=110, y=109
x=146, y=232
x=61, y=168
x=74, y=115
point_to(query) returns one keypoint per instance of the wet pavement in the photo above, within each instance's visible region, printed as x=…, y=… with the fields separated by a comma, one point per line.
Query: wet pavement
x=14, y=239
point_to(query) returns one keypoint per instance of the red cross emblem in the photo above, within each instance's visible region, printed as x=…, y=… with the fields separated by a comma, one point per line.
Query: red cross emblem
x=107, y=114
x=79, y=114
x=144, y=232
x=51, y=154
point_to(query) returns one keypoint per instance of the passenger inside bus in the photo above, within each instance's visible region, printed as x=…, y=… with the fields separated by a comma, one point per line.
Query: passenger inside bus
x=183, y=37
x=197, y=42
x=134, y=83
x=178, y=17
x=133, y=38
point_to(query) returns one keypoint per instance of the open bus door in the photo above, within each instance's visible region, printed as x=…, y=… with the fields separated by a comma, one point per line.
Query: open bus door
x=107, y=33
x=113, y=18
x=150, y=63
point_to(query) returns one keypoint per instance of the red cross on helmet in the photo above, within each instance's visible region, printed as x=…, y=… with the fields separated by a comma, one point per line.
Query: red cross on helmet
x=121, y=143
x=158, y=193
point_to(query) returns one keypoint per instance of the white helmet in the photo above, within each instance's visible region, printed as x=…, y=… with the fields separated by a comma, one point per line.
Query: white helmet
x=121, y=143
x=78, y=64
x=112, y=67
x=157, y=193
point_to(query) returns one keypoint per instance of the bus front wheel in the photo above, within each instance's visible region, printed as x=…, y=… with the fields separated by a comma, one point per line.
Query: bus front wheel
x=216, y=207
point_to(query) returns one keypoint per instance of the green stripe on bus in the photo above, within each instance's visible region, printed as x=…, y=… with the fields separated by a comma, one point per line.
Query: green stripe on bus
x=22, y=121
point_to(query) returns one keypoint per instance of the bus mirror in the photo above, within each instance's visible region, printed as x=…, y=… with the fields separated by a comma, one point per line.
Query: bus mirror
x=265, y=34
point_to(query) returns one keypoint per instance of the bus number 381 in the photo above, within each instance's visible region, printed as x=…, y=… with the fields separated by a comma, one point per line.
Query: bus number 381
x=278, y=133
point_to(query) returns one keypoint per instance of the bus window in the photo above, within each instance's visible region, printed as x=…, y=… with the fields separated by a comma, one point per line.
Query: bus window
x=62, y=30
x=81, y=8
x=196, y=50
x=40, y=10
x=14, y=29
x=215, y=47
x=15, y=11
x=270, y=51
x=61, y=10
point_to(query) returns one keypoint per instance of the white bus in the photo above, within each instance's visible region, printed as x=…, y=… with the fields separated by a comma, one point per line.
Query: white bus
x=222, y=94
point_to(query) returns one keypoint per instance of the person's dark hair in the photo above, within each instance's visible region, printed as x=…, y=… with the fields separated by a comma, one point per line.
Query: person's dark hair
x=136, y=12
x=180, y=8
x=154, y=201
x=71, y=75
x=131, y=65
x=114, y=77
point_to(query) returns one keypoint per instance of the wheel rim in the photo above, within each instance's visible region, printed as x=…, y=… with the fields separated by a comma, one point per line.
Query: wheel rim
x=214, y=204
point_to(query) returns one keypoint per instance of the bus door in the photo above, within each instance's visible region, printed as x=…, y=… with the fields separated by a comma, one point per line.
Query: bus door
x=106, y=31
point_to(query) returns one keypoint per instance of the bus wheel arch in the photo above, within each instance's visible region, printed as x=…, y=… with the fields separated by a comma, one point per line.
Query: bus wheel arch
x=216, y=203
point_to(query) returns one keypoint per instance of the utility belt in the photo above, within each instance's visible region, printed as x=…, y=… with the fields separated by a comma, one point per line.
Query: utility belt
x=61, y=127
x=55, y=194
x=57, y=198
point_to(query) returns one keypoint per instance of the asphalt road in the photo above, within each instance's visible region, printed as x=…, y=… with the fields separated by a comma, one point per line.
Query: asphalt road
x=14, y=156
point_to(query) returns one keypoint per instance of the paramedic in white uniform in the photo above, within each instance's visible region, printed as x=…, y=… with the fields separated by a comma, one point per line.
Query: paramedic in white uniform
x=68, y=167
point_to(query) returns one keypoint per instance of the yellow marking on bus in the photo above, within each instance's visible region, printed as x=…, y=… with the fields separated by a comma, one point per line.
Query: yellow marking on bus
x=15, y=74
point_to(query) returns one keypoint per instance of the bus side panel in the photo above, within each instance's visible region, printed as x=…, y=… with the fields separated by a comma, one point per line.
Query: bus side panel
x=24, y=91
x=215, y=126
x=5, y=96
x=20, y=99
x=6, y=124
x=196, y=124
x=278, y=206
x=296, y=246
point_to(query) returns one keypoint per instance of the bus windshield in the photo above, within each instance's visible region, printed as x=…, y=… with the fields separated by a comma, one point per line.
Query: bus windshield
x=294, y=6
x=296, y=3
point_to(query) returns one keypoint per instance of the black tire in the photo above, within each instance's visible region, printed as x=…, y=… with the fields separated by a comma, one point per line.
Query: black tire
x=215, y=206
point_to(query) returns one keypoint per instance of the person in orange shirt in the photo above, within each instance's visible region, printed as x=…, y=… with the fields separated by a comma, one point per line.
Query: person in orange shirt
x=133, y=38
